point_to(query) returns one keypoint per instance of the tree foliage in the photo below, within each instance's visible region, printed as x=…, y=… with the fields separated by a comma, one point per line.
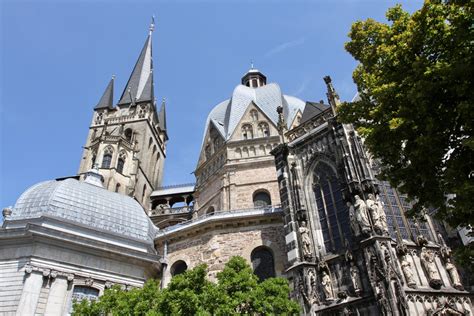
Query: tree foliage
x=415, y=82
x=237, y=291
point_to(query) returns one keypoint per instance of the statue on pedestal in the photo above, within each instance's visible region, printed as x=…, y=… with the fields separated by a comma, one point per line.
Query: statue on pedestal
x=361, y=215
x=454, y=275
x=355, y=278
x=327, y=286
x=353, y=219
x=305, y=240
x=407, y=272
x=374, y=213
x=428, y=261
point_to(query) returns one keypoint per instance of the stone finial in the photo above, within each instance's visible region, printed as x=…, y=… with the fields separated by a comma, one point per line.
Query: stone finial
x=7, y=212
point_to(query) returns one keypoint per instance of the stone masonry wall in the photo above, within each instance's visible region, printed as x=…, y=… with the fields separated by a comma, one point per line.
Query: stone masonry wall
x=216, y=247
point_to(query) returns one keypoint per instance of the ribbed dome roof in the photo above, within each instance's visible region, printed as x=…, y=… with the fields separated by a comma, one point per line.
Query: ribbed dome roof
x=227, y=115
x=85, y=204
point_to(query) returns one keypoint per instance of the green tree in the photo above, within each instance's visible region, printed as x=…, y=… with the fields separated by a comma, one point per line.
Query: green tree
x=415, y=82
x=236, y=292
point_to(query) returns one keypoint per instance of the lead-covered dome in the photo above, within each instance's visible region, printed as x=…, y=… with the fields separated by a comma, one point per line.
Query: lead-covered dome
x=86, y=204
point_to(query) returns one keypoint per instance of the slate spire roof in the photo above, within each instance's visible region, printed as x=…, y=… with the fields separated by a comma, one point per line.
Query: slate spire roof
x=107, y=99
x=140, y=85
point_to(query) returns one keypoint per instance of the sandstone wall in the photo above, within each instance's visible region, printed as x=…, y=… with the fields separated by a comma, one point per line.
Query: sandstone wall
x=216, y=247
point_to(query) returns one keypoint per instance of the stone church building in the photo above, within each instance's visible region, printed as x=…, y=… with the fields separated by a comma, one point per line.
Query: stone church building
x=278, y=181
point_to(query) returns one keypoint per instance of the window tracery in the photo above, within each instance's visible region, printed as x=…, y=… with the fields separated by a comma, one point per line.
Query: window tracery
x=332, y=212
x=247, y=131
x=263, y=129
x=107, y=157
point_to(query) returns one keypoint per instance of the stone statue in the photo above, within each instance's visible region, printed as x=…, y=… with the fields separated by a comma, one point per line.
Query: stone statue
x=453, y=273
x=305, y=240
x=382, y=216
x=361, y=215
x=374, y=213
x=352, y=216
x=311, y=285
x=327, y=286
x=407, y=272
x=428, y=261
x=355, y=278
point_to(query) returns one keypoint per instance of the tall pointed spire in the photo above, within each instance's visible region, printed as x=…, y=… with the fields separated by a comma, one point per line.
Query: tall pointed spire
x=107, y=99
x=140, y=85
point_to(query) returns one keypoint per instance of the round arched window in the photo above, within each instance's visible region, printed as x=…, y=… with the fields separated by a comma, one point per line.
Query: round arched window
x=261, y=199
x=178, y=267
x=263, y=263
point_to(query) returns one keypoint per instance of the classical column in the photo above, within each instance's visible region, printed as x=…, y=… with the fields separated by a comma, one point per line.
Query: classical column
x=57, y=296
x=30, y=294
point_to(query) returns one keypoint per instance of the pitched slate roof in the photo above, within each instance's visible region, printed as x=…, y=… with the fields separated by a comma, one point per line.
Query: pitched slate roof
x=107, y=99
x=312, y=109
x=227, y=114
x=140, y=84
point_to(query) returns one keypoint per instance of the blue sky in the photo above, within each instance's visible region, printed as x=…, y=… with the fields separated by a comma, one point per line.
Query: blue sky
x=58, y=56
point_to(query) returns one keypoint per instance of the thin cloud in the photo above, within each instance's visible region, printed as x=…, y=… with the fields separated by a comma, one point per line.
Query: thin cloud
x=302, y=87
x=284, y=46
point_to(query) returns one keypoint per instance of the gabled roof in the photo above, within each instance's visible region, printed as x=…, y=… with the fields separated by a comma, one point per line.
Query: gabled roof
x=312, y=109
x=227, y=114
x=107, y=99
x=140, y=85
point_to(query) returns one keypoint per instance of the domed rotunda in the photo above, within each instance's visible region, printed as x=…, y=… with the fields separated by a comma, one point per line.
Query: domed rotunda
x=77, y=237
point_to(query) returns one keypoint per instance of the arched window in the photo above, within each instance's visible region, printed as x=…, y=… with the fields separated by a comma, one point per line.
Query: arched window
x=128, y=134
x=254, y=115
x=263, y=129
x=117, y=188
x=263, y=263
x=107, y=158
x=261, y=199
x=121, y=162
x=178, y=267
x=247, y=132
x=150, y=141
x=332, y=211
x=210, y=211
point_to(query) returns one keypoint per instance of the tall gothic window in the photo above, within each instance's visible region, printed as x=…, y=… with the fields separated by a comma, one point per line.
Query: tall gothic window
x=261, y=199
x=120, y=164
x=395, y=206
x=107, y=158
x=333, y=213
x=263, y=263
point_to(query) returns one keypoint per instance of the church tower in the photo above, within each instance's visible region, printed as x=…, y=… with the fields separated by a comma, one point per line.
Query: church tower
x=127, y=142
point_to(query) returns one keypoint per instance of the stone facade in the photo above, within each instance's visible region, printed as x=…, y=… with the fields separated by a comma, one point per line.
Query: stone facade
x=350, y=248
x=215, y=246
